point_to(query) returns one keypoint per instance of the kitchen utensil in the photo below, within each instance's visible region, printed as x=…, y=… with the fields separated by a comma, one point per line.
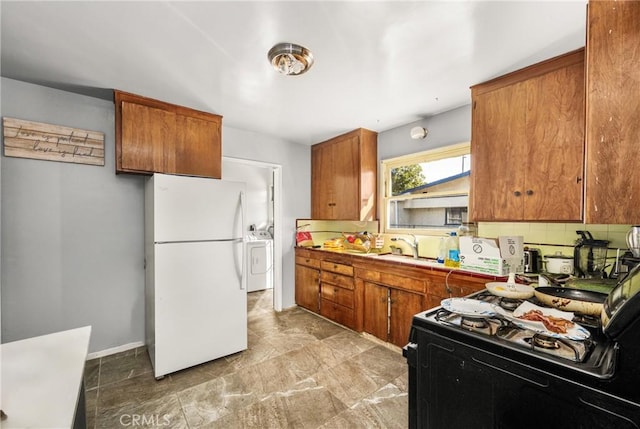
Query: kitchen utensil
x=579, y=301
x=510, y=290
x=559, y=264
x=532, y=260
x=589, y=256
x=633, y=240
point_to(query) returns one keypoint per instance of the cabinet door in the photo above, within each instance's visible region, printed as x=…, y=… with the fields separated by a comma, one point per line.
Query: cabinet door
x=376, y=310
x=613, y=128
x=403, y=306
x=308, y=288
x=553, y=164
x=322, y=185
x=346, y=178
x=498, y=150
x=197, y=149
x=146, y=132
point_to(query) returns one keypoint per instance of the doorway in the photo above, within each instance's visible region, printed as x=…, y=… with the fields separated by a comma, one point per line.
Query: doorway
x=264, y=210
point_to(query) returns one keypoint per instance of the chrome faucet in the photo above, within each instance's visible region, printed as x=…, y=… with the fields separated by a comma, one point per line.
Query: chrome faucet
x=413, y=245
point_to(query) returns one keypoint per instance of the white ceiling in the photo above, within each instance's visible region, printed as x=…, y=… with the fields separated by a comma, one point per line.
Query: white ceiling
x=378, y=64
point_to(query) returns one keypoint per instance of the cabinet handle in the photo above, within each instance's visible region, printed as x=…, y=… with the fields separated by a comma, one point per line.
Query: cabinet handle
x=578, y=179
x=517, y=193
x=529, y=192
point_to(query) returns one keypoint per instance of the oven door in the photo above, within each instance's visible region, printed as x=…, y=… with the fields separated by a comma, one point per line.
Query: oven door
x=458, y=386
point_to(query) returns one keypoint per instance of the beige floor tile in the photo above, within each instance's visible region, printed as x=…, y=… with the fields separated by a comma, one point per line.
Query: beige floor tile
x=300, y=371
x=157, y=413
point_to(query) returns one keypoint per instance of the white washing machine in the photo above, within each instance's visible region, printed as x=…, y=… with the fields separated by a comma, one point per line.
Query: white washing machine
x=259, y=246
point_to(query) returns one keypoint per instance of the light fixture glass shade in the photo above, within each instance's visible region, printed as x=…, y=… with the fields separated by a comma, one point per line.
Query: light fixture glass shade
x=290, y=59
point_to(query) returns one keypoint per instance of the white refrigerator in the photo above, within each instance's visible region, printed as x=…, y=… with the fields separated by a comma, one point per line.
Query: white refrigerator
x=195, y=287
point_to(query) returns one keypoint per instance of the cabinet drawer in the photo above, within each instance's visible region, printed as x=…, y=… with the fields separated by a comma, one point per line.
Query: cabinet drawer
x=337, y=279
x=338, y=313
x=336, y=267
x=338, y=295
x=457, y=290
x=393, y=280
x=309, y=262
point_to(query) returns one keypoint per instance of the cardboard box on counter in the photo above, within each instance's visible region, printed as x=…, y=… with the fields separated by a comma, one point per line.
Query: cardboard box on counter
x=488, y=256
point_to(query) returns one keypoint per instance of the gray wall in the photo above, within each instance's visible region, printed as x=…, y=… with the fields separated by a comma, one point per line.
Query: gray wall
x=258, y=195
x=72, y=235
x=72, y=241
x=295, y=160
x=445, y=129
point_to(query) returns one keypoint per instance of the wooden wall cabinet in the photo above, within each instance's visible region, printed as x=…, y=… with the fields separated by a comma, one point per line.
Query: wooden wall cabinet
x=344, y=177
x=613, y=113
x=307, y=292
x=157, y=137
x=527, y=143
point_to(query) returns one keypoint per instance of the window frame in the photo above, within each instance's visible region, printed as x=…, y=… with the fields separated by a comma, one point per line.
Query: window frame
x=387, y=165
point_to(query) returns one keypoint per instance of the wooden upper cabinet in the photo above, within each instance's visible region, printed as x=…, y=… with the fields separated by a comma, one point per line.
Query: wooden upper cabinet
x=344, y=177
x=613, y=113
x=527, y=143
x=157, y=137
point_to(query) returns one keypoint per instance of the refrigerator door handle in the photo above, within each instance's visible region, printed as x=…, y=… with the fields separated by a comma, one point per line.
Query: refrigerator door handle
x=242, y=258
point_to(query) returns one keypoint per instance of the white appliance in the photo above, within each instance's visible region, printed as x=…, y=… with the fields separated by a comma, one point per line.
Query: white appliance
x=259, y=261
x=195, y=287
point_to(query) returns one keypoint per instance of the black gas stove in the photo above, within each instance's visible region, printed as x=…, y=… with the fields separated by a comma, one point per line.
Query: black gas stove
x=486, y=372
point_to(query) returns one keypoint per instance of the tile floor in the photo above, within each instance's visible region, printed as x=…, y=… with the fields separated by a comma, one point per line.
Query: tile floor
x=300, y=371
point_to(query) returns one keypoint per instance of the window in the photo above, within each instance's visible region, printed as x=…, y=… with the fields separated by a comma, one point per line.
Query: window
x=426, y=191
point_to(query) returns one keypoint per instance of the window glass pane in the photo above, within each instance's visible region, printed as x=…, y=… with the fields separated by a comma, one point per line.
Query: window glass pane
x=428, y=191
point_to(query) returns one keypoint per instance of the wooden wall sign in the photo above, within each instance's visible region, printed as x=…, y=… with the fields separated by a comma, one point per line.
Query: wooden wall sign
x=26, y=139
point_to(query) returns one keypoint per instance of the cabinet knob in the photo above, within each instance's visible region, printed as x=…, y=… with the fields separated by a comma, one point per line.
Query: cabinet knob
x=529, y=192
x=517, y=193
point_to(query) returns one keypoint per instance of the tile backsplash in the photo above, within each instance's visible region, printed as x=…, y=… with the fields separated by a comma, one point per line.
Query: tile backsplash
x=549, y=237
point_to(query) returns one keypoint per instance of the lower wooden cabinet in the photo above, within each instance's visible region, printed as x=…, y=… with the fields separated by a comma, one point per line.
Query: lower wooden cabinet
x=307, y=281
x=388, y=312
x=337, y=293
x=442, y=286
x=379, y=298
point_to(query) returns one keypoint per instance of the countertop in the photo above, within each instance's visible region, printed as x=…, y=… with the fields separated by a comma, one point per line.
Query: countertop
x=42, y=378
x=405, y=260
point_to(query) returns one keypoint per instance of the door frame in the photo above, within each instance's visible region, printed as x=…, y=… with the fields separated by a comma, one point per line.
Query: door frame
x=277, y=223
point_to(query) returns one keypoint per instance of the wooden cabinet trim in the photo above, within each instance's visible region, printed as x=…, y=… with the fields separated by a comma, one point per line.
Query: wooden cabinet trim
x=121, y=96
x=529, y=72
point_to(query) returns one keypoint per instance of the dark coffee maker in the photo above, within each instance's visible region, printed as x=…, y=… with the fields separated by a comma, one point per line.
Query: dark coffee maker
x=589, y=256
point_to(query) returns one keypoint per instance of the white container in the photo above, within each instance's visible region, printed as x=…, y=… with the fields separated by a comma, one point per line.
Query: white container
x=559, y=264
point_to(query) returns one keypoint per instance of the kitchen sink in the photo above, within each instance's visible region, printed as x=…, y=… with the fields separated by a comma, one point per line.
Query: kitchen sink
x=406, y=259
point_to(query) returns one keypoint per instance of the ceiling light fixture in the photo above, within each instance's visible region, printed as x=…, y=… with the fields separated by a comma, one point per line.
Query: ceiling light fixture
x=418, y=133
x=290, y=59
